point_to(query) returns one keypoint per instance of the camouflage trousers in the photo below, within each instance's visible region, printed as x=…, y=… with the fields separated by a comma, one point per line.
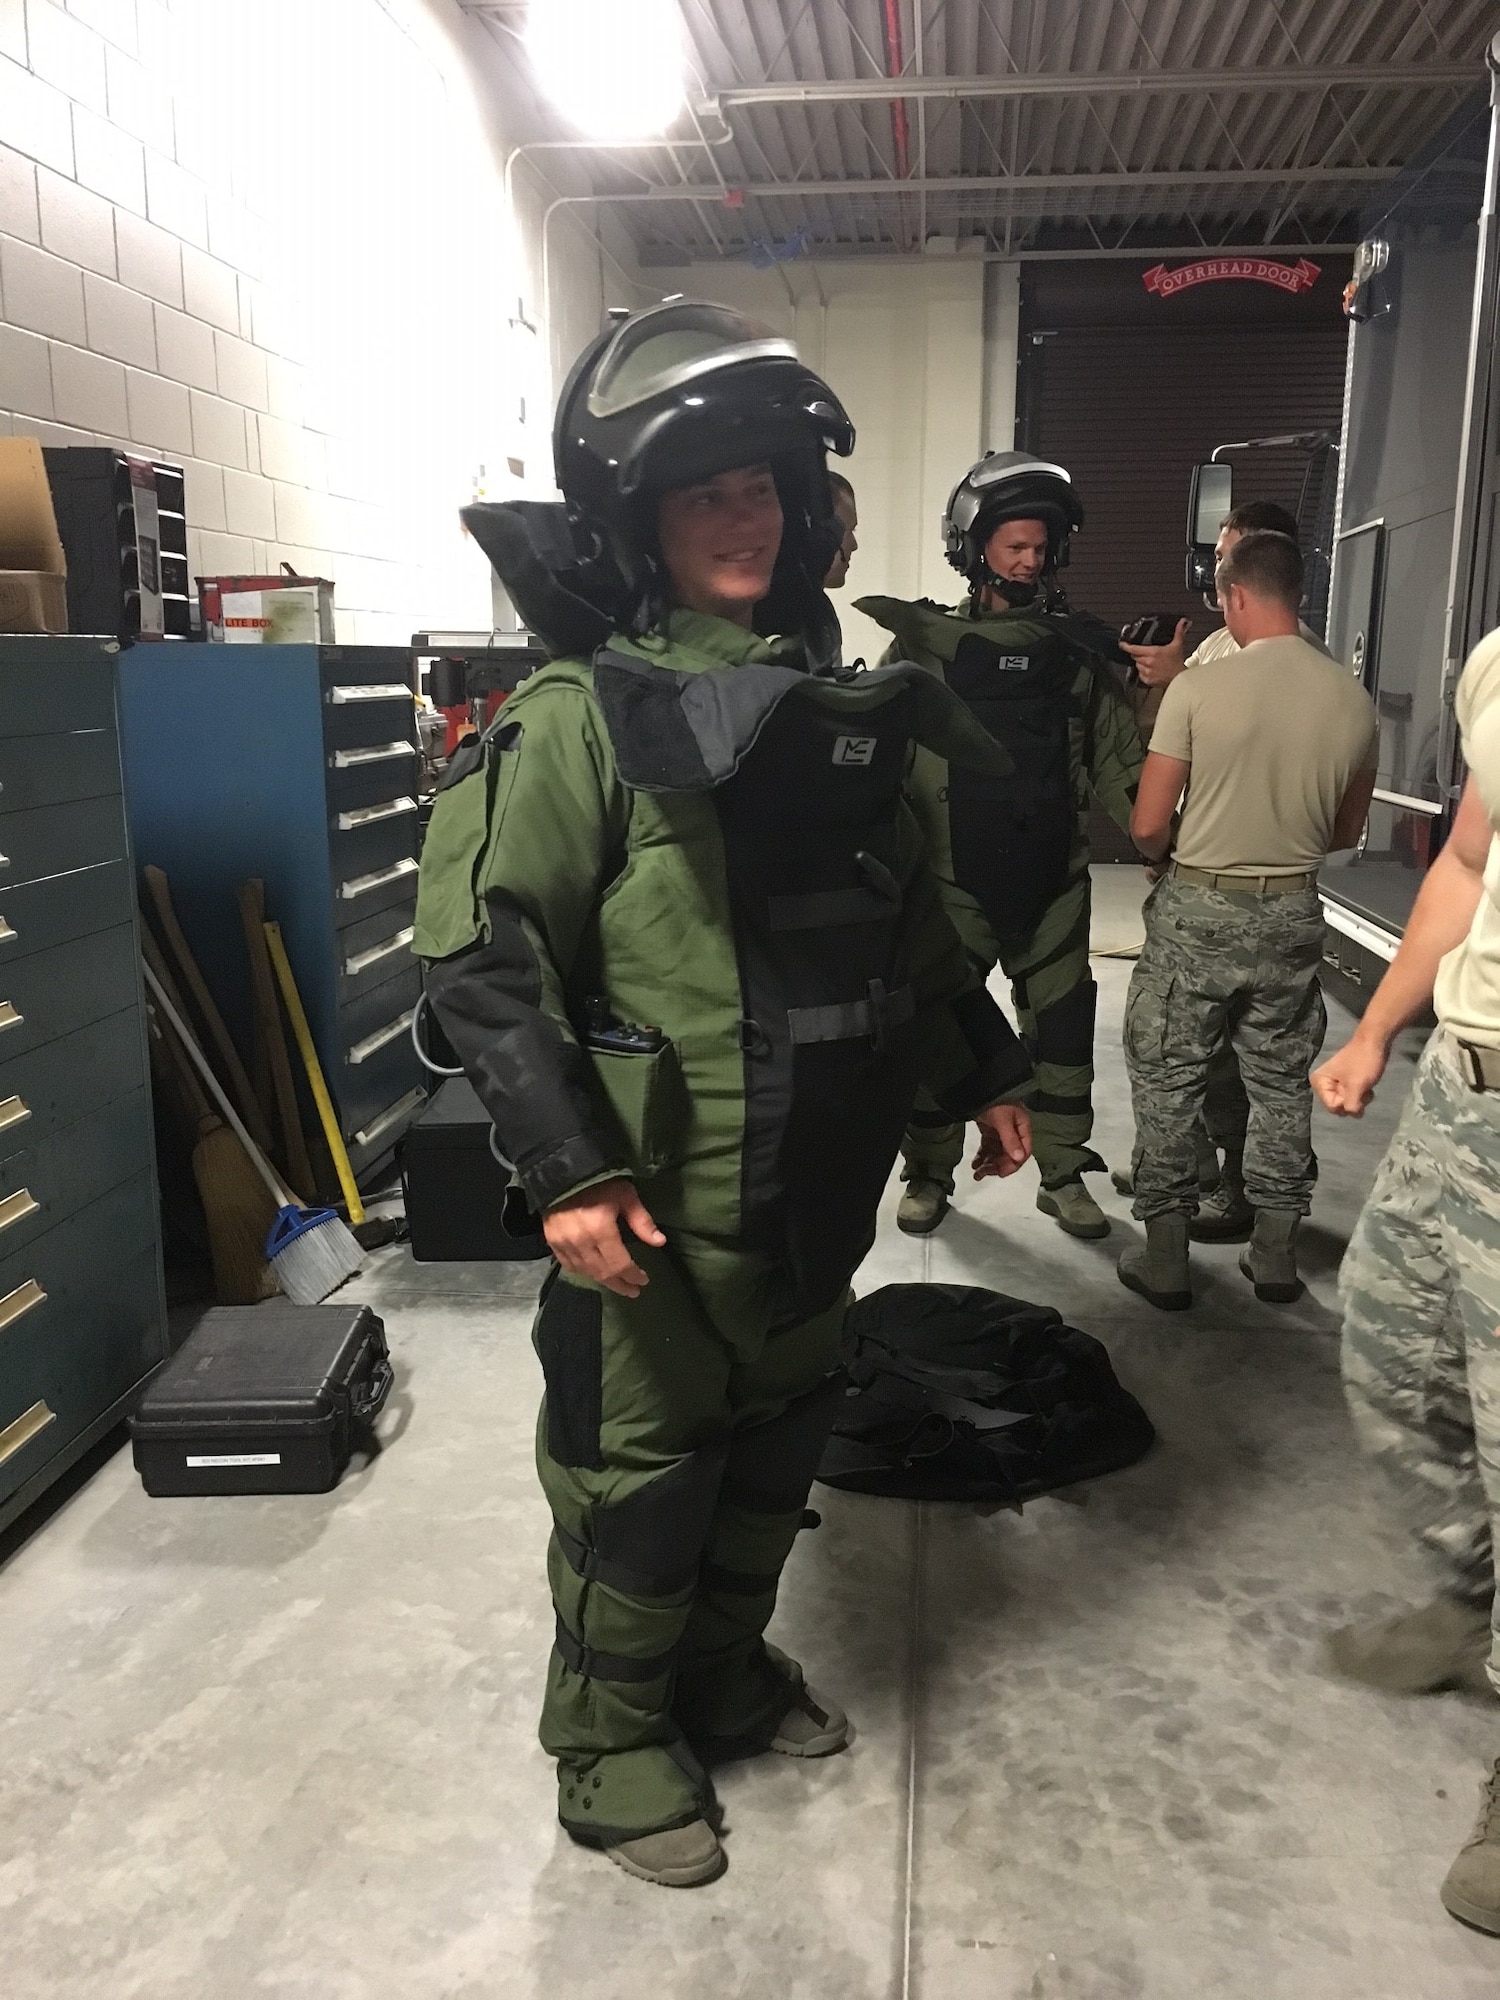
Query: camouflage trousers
x=1421, y=1291
x=1055, y=998
x=1224, y=965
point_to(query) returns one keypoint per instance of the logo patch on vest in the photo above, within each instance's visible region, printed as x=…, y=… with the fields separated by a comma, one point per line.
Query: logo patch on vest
x=1011, y=663
x=854, y=750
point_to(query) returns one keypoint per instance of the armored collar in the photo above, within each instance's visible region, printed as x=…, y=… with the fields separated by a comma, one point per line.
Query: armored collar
x=676, y=730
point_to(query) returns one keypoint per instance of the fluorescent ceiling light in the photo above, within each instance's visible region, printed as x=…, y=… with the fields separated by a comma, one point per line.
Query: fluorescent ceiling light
x=612, y=67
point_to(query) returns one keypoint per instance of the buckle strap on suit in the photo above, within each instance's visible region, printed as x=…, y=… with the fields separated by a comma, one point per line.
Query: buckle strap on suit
x=877, y=1016
x=591, y=1665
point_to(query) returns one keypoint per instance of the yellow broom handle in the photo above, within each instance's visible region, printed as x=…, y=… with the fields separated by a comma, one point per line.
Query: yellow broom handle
x=314, y=1069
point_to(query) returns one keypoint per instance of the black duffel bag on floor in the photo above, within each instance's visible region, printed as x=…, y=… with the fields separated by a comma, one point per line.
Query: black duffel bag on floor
x=957, y=1393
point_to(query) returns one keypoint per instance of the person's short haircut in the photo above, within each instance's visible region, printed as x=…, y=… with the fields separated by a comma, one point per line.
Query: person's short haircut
x=1267, y=565
x=839, y=483
x=1260, y=517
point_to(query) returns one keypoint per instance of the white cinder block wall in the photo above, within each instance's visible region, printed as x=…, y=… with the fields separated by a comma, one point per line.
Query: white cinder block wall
x=269, y=239
x=922, y=352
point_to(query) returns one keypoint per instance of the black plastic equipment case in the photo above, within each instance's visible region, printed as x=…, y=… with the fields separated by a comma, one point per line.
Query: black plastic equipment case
x=460, y=1205
x=262, y=1399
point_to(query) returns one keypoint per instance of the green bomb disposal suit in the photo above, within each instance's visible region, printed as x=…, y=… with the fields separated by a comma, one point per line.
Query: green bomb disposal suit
x=1012, y=852
x=694, y=835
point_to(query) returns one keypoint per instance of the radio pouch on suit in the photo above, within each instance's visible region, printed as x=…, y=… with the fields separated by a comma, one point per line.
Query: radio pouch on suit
x=957, y=1393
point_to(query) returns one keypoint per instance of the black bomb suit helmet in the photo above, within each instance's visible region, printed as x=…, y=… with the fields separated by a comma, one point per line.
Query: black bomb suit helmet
x=1009, y=486
x=679, y=393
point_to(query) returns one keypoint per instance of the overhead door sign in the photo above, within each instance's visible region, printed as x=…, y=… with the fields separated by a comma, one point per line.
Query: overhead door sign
x=1298, y=277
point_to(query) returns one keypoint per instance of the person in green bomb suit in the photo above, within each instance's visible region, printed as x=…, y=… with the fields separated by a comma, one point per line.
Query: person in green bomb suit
x=682, y=933
x=1013, y=853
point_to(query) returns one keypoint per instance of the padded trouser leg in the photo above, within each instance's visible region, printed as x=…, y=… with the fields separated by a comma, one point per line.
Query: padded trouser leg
x=1055, y=996
x=933, y=1143
x=644, y=1399
x=728, y=1689
x=630, y=1449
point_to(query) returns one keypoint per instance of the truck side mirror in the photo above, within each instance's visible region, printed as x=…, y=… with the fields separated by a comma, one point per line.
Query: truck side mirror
x=1210, y=498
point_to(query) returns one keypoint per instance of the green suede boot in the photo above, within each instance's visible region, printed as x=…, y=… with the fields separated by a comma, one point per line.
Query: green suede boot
x=1270, y=1261
x=1224, y=1216
x=1158, y=1268
x=1471, y=1891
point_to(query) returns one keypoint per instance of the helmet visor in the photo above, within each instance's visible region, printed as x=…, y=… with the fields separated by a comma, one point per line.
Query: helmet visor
x=664, y=350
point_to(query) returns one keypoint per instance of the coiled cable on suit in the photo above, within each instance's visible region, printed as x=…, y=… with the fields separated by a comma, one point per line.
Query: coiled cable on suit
x=437, y=1069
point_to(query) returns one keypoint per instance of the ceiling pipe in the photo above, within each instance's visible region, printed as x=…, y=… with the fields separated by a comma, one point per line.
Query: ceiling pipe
x=895, y=62
x=1098, y=83
x=1209, y=177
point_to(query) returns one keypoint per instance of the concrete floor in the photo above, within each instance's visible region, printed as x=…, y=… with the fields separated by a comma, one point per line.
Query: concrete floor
x=285, y=1747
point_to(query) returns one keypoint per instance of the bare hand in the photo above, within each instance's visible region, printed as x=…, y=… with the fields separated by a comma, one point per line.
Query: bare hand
x=1157, y=665
x=1346, y=1082
x=1004, y=1141
x=584, y=1235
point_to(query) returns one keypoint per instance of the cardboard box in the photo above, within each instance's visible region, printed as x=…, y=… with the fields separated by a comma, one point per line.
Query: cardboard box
x=267, y=610
x=33, y=574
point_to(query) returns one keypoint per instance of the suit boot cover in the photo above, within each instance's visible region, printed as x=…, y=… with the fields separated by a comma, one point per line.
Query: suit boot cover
x=1224, y=1215
x=1471, y=1891
x=1270, y=1262
x=676, y=1454
x=1158, y=1268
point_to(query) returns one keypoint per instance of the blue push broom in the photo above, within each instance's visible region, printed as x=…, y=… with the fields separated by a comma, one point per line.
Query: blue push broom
x=311, y=1250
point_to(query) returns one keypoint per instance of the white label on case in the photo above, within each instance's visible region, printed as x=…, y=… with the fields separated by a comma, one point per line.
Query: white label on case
x=237, y=1458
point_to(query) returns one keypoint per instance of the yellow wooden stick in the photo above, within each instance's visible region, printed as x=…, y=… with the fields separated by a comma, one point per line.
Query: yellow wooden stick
x=310, y=1063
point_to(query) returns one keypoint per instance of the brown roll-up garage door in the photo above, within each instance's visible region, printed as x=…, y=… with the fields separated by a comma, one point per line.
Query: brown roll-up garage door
x=1129, y=391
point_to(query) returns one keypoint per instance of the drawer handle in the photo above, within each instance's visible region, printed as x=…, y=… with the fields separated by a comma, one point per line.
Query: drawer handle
x=374, y=753
x=16, y=1207
x=10, y=1015
x=361, y=961
x=387, y=1119
x=6, y=933
x=361, y=885
x=362, y=1051
x=370, y=691
x=19, y=1302
x=13, y=1111
x=31, y=1423
x=359, y=816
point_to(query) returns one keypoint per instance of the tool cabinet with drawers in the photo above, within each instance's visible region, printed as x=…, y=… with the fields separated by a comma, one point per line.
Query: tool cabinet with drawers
x=296, y=764
x=82, y=1317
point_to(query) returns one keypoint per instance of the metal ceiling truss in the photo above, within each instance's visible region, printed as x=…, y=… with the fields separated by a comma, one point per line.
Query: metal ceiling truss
x=1037, y=127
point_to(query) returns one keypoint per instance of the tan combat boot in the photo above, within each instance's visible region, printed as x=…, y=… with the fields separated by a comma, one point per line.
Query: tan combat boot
x=1270, y=1262
x=813, y=1726
x=1158, y=1268
x=1074, y=1210
x=1224, y=1215
x=681, y=1858
x=1471, y=1891
x=924, y=1203
x=1445, y=1644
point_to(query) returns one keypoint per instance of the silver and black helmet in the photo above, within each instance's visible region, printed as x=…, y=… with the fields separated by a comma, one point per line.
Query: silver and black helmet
x=679, y=393
x=1008, y=486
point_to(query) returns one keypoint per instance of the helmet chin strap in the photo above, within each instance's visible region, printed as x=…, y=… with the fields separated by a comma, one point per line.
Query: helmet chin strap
x=1019, y=596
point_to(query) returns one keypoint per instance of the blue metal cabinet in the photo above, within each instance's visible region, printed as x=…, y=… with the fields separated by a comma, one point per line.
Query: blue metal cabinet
x=82, y=1317
x=297, y=764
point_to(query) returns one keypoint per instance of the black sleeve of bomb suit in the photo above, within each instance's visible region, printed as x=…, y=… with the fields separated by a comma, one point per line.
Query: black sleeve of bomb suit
x=1001, y=1072
x=533, y=1079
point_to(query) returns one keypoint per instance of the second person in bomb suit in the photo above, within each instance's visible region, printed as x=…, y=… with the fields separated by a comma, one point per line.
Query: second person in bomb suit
x=1013, y=853
x=683, y=935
